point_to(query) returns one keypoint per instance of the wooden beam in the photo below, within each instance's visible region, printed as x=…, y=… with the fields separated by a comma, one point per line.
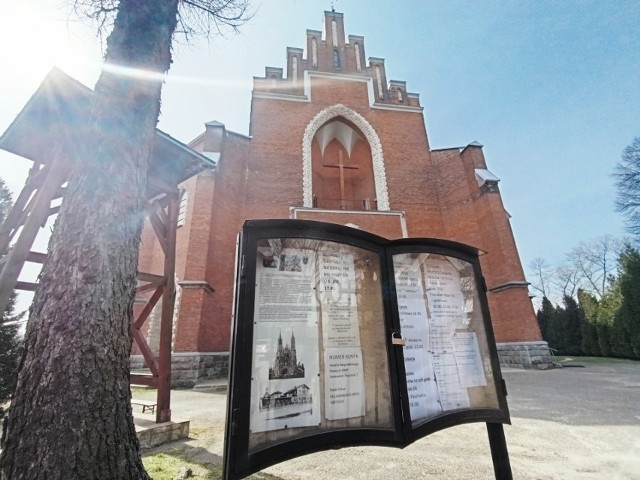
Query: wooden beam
x=10, y=224
x=161, y=214
x=145, y=350
x=148, y=287
x=160, y=230
x=148, y=308
x=16, y=257
x=28, y=286
x=142, y=379
x=166, y=320
x=53, y=211
x=150, y=277
x=36, y=257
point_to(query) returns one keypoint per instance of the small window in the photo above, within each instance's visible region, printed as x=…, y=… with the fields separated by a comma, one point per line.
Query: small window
x=379, y=81
x=182, y=209
x=400, y=95
x=314, y=52
x=334, y=32
x=294, y=70
x=358, y=61
x=336, y=59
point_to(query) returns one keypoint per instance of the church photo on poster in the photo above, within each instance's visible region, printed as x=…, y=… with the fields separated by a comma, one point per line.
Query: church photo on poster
x=285, y=386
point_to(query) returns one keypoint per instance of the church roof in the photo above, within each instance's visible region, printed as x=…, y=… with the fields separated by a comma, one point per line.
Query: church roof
x=58, y=114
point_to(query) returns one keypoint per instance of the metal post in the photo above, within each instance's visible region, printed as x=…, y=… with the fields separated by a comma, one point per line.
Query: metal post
x=499, y=453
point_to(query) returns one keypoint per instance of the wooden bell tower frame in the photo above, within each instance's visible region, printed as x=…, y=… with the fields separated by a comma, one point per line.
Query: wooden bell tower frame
x=45, y=129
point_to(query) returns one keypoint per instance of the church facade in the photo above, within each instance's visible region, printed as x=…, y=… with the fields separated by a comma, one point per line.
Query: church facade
x=333, y=139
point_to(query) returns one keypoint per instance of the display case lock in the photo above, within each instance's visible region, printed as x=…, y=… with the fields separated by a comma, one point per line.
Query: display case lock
x=396, y=339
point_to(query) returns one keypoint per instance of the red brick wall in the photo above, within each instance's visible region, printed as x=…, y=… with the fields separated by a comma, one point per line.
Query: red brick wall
x=262, y=177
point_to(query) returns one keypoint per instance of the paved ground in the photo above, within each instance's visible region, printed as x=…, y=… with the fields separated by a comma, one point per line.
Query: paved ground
x=570, y=423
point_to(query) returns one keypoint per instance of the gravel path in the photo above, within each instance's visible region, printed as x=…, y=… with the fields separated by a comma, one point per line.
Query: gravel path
x=571, y=423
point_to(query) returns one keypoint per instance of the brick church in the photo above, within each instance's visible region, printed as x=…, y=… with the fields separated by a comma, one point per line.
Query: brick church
x=333, y=139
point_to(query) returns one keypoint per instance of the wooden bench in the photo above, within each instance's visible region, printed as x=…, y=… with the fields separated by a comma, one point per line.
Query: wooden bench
x=146, y=404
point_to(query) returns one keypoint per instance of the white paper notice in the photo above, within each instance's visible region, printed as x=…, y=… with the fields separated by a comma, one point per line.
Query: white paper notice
x=446, y=305
x=469, y=360
x=284, y=287
x=445, y=293
x=285, y=387
x=343, y=366
x=344, y=383
x=337, y=285
x=418, y=361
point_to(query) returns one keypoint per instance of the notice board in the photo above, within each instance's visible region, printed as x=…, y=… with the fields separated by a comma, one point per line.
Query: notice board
x=343, y=338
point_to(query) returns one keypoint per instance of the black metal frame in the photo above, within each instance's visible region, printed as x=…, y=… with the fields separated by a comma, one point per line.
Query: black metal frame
x=239, y=461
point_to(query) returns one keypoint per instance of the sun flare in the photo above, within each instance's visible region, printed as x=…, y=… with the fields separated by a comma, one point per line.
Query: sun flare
x=33, y=40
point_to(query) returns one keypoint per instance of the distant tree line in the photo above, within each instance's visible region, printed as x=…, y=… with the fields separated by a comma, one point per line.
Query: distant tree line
x=597, y=289
x=597, y=300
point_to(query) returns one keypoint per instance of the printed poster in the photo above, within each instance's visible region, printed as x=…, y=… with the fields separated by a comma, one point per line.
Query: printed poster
x=343, y=362
x=285, y=386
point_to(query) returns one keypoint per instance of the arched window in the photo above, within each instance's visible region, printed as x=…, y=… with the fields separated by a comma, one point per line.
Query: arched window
x=334, y=32
x=336, y=59
x=399, y=95
x=342, y=168
x=314, y=52
x=294, y=70
x=358, y=61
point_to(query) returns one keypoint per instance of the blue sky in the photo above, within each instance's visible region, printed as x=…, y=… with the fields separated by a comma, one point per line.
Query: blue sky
x=551, y=88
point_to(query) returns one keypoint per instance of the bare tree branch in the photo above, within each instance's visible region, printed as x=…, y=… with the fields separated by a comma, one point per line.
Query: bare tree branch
x=543, y=276
x=627, y=175
x=595, y=263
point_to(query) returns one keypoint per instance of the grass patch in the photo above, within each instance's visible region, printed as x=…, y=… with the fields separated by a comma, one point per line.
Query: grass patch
x=142, y=390
x=593, y=360
x=164, y=466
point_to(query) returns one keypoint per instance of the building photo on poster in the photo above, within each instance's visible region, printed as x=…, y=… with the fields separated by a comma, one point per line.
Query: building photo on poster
x=285, y=384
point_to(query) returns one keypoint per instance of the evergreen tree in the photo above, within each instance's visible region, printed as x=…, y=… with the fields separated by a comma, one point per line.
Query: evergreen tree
x=9, y=354
x=627, y=318
x=589, y=317
x=571, y=326
x=544, y=318
x=551, y=321
x=609, y=342
x=9, y=341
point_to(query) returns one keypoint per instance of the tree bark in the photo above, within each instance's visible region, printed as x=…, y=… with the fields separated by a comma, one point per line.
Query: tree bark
x=71, y=414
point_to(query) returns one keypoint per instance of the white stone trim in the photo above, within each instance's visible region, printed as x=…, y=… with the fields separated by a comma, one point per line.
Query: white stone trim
x=306, y=98
x=397, y=108
x=280, y=96
x=377, y=158
x=293, y=214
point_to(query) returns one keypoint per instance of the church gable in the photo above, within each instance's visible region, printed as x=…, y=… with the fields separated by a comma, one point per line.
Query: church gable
x=331, y=56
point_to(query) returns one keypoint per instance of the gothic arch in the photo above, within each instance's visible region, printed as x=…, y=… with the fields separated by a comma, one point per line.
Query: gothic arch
x=377, y=158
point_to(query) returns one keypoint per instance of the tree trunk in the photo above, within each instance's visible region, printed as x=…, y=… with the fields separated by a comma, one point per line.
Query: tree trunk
x=71, y=414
